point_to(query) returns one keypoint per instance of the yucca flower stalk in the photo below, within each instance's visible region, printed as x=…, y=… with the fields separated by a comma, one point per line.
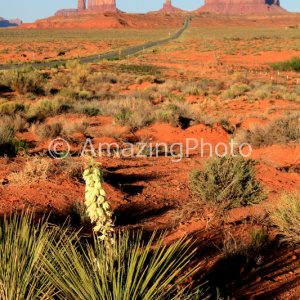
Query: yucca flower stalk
x=98, y=208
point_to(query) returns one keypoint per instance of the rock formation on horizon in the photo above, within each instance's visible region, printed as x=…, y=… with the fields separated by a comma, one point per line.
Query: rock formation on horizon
x=168, y=8
x=97, y=6
x=242, y=6
x=10, y=23
x=66, y=12
x=89, y=6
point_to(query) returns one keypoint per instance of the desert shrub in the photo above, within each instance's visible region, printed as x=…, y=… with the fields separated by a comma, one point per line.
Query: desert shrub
x=181, y=114
x=67, y=93
x=226, y=182
x=235, y=91
x=277, y=131
x=24, y=80
x=80, y=78
x=287, y=65
x=73, y=64
x=176, y=97
x=195, y=92
x=287, y=217
x=102, y=77
x=9, y=145
x=144, y=271
x=145, y=78
x=17, y=122
x=61, y=129
x=35, y=170
x=259, y=238
x=134, y=119
x=85, y=95
x=10, y=108
x=46, y=108
x=89, y=110
x=261, y=94
x=290, y=96
x=23, y=243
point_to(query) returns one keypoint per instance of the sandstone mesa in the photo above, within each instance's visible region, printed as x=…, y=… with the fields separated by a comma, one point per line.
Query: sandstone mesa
x=242, y=6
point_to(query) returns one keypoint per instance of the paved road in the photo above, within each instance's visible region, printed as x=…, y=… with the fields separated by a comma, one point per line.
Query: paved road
x=125, y=52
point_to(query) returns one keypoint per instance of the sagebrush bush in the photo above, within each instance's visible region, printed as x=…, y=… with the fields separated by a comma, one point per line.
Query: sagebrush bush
x=61, y=129
x=24, y=80
x=10, y=108
x=277, y=131
x=226, y=182
x=15, y=121
x=235, y=91
x=287, y=217
x=290, y=96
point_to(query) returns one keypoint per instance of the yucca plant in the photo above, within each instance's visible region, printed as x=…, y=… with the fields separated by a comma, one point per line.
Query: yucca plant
x=22, y=245
x=132, y=270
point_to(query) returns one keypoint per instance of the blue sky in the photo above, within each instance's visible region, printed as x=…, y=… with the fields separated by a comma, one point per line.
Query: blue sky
x=30, y=10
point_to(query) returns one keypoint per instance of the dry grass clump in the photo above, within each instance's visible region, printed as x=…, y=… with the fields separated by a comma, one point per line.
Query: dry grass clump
x=277, y=131
x=41, y=169
x=17, y=122
x=287, y=217
x=61, y=129
x=34, y=171
x=69, y=168
x=235, y=91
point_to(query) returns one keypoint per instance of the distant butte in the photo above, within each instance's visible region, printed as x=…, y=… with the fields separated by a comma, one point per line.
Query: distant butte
x=10, y=23
x=242, y=6
x=168, y=8
x=89, y=6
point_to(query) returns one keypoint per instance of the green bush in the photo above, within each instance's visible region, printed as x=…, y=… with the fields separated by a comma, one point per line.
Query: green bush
x=288, y=65
x=287, y=217
x=226, y=182
x=89, y=110
x=129, y=270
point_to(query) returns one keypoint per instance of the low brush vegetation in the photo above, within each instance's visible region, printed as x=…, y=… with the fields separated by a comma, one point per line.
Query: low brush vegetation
x=286, y=216
x=277, y=131
x=225, y=183
x=292, y=64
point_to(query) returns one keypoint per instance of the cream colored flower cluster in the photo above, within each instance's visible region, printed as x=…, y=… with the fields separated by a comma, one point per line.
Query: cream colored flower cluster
x=98, y=208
